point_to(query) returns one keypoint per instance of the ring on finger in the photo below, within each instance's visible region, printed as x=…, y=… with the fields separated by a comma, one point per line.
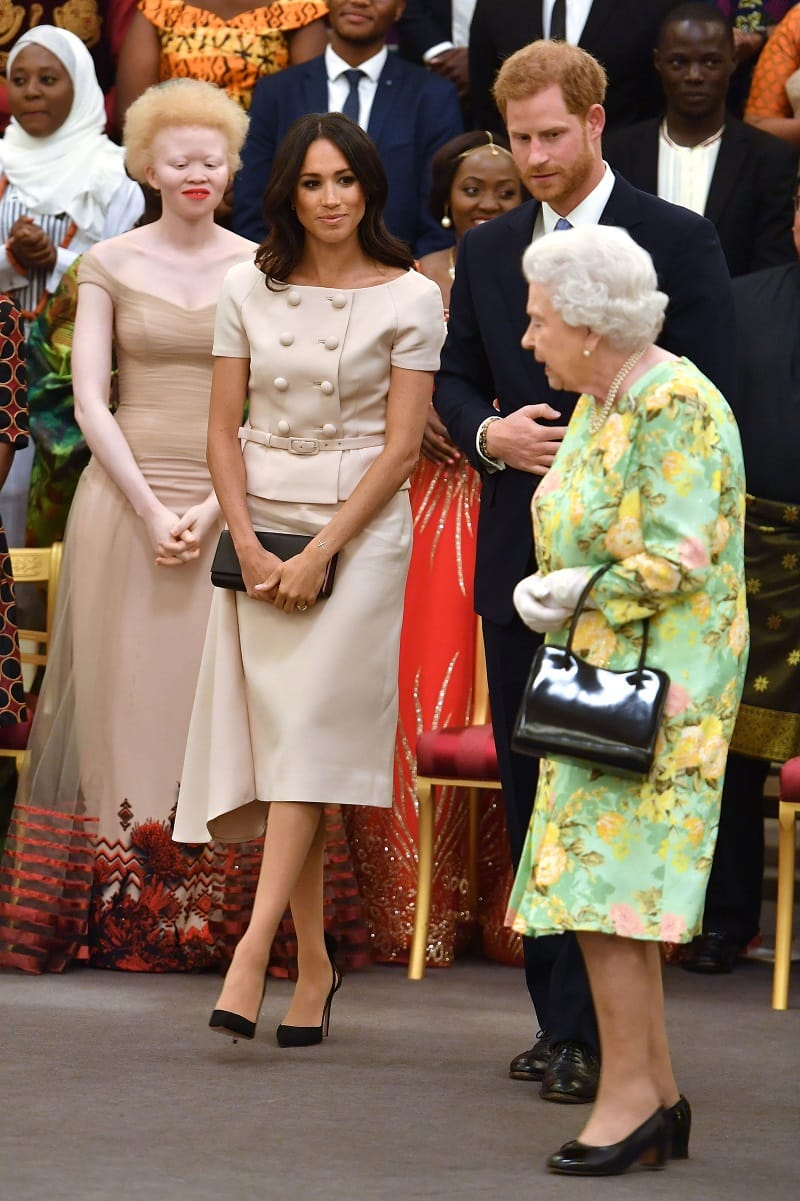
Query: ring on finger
x=302, y=608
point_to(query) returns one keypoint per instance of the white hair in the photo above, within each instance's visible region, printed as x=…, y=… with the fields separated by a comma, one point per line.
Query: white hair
x=597, y=276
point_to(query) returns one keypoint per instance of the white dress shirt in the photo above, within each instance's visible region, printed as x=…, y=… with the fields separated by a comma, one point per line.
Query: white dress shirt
x=339, y=88
x=577, y=15
x=685, y=172
x=462, y=11
x=588, y=212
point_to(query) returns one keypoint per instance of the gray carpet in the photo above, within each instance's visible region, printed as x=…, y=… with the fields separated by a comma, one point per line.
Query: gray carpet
x=113, y=1088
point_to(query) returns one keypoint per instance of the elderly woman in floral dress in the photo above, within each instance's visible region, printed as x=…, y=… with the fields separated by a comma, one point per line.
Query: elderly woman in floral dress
x=649, y=480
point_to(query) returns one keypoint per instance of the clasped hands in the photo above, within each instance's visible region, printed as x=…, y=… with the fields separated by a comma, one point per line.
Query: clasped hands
x=546, y=601
x=30, y=245
x=293, y=585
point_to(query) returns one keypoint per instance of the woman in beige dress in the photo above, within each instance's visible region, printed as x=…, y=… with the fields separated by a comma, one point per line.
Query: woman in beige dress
x=335, y=340
x=110, y=729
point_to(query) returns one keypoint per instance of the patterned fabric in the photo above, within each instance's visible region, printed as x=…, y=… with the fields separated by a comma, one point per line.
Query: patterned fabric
x=234, y=54
x=13, y=432
x=753, y=14
x=436, y=672
x=779, y=59
x=61, y=452
x=660, y=490
x=768, y=725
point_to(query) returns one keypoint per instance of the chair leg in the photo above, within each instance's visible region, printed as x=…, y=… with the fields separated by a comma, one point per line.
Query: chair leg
x=422, y=910
x=783, y=926
x=472, y=855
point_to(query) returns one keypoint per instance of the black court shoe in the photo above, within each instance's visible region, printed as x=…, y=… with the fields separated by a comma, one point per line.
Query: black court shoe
x=647, y=1145
x=222, y=1021
x=679, y=1120
x=309, y=1036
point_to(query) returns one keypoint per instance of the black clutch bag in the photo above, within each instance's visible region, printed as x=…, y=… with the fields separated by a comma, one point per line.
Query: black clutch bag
x=609, y=719
x=226, y=572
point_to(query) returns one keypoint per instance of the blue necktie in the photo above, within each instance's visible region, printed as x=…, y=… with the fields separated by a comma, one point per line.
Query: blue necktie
x=561, y=223
x=352, y=105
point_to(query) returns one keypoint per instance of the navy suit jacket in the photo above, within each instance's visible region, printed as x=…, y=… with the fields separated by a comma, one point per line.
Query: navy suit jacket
x=483, y=359
x=414, y=112
x=750, y=200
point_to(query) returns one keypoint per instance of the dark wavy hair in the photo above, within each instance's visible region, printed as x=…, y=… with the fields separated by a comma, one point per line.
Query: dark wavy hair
x=447, y=160
x=281, y=251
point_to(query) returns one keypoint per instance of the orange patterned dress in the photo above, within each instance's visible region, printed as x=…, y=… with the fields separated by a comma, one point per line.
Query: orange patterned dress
x=233, y=53
x=436, y=673
x=778, y=61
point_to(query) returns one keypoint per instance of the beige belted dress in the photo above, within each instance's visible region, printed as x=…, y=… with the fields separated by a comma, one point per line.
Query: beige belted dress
x=303, y=706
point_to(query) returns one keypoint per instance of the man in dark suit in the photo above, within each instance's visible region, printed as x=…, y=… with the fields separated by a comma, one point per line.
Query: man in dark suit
x=620, y=33
x=407, y=111
x=739, y=177
x=551, y=94
x=436, y=33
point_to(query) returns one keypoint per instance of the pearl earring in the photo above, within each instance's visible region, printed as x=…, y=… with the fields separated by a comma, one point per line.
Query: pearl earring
x=446, y=221
x=586, y=352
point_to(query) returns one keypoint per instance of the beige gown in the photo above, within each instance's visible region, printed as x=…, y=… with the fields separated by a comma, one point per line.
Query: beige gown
x=109, y=734
x=303, y=706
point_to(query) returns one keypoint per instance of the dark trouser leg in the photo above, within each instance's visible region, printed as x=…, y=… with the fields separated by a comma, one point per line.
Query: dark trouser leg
x=554, y=969
x=733, y=900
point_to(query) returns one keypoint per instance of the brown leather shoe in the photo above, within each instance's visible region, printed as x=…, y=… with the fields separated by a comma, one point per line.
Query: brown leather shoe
x=572, y=1074
x=530, y=1065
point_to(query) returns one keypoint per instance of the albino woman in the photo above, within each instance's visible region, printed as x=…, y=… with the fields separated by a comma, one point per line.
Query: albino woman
x=108, y=739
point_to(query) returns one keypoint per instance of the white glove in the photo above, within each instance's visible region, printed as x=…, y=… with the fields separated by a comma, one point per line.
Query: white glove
x=546, y=602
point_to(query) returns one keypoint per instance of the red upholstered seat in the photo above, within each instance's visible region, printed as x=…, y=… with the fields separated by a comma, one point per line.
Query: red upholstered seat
x=15, y=738
x=466, y=753
x=790, y=781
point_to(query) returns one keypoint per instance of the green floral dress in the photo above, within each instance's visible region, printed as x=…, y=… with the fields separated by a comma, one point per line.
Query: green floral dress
x=660, y=490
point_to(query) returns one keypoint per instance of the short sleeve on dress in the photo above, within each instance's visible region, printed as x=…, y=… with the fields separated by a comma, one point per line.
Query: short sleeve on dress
x=13, y=392
x=420, y=323
x=230, y=336
x=92, y=271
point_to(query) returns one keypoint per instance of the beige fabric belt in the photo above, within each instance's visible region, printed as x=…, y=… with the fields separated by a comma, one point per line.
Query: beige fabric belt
x=308, y=446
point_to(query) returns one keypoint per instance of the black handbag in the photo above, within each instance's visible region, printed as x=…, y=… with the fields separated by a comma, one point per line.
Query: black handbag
x=226, y=572
x=609, y=719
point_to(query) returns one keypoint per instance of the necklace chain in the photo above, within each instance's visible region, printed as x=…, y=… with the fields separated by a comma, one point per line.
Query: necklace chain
x=599, y=418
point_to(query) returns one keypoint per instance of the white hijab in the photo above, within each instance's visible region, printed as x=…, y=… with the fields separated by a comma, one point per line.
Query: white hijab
x=76, y=169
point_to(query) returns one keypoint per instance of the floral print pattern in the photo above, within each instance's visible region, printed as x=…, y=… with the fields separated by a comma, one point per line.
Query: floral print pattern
x=659, y=490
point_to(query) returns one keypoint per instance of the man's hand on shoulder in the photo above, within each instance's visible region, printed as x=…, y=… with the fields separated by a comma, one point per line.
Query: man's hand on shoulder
x=523, y=442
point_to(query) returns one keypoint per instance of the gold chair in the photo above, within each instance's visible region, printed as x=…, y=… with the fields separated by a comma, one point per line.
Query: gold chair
x=788, y=810
x=32, y=565
x=462, y=757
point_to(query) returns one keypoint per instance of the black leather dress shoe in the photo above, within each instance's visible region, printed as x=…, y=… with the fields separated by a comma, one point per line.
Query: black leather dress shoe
x=530, y=1065
x=712, y=954
x=572, y=1074
x=647, y=1145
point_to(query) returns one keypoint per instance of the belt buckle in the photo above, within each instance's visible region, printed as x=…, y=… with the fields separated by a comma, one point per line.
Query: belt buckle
x=303, y=446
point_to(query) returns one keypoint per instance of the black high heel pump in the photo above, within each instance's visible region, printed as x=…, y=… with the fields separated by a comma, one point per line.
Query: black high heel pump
x=309, y=1036
x=679, y=1119
x=222, y=1021
x=647, y=1145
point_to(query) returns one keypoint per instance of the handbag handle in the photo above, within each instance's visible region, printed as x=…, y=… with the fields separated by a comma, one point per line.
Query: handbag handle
x=595, y=576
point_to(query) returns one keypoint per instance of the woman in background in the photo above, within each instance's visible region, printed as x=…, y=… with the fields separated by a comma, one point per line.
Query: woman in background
x=230, y=43
x=107, y=743
x=473, y=179
x=63, y=186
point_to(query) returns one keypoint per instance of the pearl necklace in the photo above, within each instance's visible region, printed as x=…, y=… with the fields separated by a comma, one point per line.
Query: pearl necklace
x=599, y=418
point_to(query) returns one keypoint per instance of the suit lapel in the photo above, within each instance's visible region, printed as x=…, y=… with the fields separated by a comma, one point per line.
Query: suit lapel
x=731, y=160
x=315, y=86
x=390, y=82
x=600, y=24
